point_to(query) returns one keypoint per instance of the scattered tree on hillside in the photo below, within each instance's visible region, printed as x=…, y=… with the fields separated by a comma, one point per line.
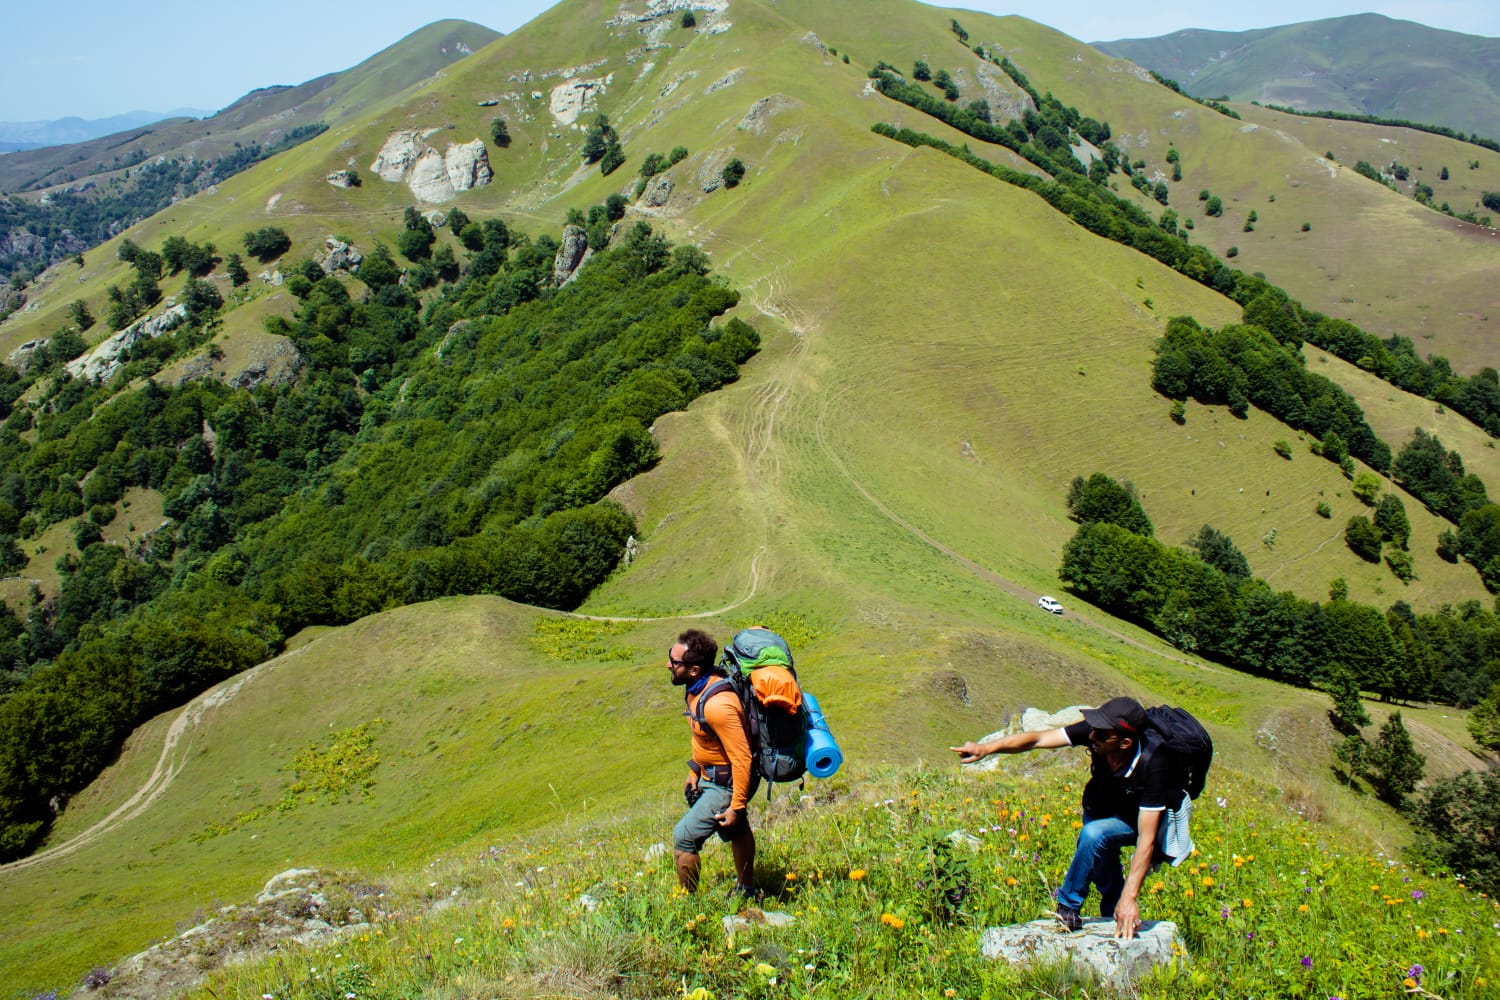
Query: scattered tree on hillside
x=1490, y=200
x=500, y=132
x=1484, y=720
x=1390, y=518
x=1100, y=498
x=1363, y=538
x=688, y=20
x=1395, y=765
x=1214, y=206
x=733, y=173
x=1479, y=541
x=1460, y=823
x=1366, y=487
x=1348, y=714
x=1219, y=551
x=78, y=312
x=235, y=268
x=267, y=243
x=921, y=71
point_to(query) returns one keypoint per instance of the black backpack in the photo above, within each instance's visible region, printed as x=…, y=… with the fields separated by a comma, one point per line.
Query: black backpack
x=1181, y=735
x=778, y=735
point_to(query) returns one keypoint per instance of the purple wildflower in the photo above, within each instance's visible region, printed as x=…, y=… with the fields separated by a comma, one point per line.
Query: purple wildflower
x=1224, y=912
x=1307, y=961
x=1415, y=972
x=1418, y=894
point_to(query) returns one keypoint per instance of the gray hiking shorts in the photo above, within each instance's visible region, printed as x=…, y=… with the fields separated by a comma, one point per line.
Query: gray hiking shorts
x=698, y=823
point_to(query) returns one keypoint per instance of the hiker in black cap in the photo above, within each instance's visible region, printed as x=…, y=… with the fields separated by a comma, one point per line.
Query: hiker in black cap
x=1123, y=803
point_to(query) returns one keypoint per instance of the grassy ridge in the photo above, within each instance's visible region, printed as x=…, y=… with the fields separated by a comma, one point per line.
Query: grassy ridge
x=885, y=904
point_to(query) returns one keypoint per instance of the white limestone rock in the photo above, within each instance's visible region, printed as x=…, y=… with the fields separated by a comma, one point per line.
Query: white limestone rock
x=1093, y=952
x=468, y=165
x=571, y=98
x=399, y=153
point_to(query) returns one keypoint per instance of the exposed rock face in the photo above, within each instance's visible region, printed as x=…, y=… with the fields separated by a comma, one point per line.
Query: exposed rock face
x=11, y=298
x=107, y=357
x=399, y=153
x=428, y=179
x=21, y=357
x=658, y=192
x=727, y=80
x=572, y=98
x=1093, y=951
x=341, y=179
x=433, y=177
x=468, y=165
x=760, y=112
x=570, y=256
x=666, y=8
x=338, y=256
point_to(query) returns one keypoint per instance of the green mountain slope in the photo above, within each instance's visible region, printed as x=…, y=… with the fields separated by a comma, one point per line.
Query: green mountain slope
x=258, y=116
x=1364, y=63
x=942, y=354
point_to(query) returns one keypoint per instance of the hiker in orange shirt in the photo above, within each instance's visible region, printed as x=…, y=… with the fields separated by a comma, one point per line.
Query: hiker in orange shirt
x=721, y=772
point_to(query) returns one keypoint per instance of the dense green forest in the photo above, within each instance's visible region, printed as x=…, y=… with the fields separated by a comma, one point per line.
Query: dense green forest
x=76, y=219
x=457, y=446
x=1204, y=599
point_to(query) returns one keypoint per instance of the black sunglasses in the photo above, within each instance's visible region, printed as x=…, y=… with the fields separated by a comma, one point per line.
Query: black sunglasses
x=674, y=661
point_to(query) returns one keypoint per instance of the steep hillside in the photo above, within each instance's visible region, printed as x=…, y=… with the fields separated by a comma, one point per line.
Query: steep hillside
x=71, y=197
x=1353, y=259
x=942, y=353
x=1364, y=63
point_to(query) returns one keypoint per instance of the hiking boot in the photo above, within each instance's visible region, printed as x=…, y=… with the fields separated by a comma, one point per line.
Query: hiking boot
x=743, y=892
x=1070, y=918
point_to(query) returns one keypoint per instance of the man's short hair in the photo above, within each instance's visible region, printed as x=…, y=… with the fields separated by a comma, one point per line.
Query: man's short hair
x=701, y=648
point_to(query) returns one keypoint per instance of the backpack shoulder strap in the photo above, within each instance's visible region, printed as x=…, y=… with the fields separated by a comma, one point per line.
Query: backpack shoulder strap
x=720, y=685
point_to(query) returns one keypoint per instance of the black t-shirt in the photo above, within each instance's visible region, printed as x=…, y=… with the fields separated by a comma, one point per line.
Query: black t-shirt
x=1145, y=782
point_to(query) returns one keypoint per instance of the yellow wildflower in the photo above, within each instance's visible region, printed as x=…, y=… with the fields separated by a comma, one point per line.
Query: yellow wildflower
x=1208, y=882
x=1303, y=908
x=1011, y=881
x=857, y=874
x=1246, y=903
x=1421, y=934
x=892, y=921
x=1187, y=892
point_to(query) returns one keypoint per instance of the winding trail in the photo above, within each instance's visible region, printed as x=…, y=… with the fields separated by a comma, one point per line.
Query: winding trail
x=769, y=295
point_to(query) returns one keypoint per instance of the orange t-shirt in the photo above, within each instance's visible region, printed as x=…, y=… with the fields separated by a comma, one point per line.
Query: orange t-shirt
x=729, y=743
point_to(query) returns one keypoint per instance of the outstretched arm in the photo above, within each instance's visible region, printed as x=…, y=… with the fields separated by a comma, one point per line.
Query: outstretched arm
x=1128, y=909
x=1050, y=739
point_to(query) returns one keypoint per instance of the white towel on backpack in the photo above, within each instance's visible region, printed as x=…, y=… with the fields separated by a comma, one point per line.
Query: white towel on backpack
x=1179, y=842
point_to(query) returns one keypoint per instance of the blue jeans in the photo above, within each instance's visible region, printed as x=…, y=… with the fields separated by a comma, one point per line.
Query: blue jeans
x=1097, y=860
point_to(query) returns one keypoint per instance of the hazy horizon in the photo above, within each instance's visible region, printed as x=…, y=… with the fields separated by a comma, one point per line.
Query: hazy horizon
x=94, y=68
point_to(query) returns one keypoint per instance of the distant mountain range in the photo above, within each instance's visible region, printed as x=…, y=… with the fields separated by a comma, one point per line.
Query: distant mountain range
x=1366, y=64
x=17, y=136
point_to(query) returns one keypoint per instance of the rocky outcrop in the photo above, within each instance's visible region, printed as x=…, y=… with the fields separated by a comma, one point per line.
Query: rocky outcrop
x=20, y=359
x=337, y=255
x=666, y=8
x=571, y=255
x=108, y=356
x=1093, y=953
x=343, y=179
x=468, y=165
x=658, y=192
x=433, y=177
x=11, y=299
x=571, y=98
x=399, y=153
x=727, y=80
x=760, y=113
x=1032, y=720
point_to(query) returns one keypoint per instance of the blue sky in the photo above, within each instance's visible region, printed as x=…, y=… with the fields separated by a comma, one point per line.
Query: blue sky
x=95, y=58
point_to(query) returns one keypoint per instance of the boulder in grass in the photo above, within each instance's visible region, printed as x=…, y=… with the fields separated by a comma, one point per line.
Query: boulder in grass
x=1093, y=952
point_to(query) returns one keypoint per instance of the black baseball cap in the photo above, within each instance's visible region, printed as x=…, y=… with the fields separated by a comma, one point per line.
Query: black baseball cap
x=1124, y=714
